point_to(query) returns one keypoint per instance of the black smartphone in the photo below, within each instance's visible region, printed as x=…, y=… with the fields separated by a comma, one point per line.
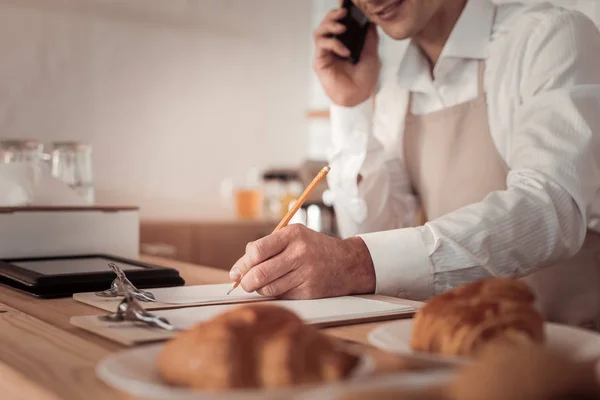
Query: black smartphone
x=357, y=26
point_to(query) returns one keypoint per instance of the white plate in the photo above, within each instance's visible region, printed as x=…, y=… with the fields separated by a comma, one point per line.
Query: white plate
x=133, y=371
x=579, y=343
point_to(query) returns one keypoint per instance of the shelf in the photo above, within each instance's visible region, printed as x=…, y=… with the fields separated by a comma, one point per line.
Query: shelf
x=317, y=114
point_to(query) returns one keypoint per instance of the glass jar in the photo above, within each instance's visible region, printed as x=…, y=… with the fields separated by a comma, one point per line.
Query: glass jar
x=72, y=164
x=248, y=196
x=18, y=150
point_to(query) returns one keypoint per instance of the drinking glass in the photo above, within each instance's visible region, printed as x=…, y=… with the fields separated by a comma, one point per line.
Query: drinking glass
x=72, y=164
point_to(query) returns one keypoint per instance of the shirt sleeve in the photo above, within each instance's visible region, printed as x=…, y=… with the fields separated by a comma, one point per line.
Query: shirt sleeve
x=363, y=145
x=553, y=157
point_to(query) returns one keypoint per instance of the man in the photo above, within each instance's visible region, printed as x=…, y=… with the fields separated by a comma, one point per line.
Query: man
x=491, y=125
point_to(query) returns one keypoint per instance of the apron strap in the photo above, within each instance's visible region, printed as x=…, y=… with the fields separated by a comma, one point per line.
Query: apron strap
x=481, y=79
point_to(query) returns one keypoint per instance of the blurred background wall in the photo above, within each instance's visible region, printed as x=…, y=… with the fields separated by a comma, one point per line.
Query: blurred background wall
x=173, y=95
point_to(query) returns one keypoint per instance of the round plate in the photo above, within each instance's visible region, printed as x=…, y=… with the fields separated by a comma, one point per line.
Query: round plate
x=133, y=371
x=579, y=343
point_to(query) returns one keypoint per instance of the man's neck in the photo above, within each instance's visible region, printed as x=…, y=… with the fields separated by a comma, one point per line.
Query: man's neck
x=433, y=38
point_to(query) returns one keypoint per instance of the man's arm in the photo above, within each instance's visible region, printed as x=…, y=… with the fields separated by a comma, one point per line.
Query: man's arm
x=554, y=175
x=368, y=177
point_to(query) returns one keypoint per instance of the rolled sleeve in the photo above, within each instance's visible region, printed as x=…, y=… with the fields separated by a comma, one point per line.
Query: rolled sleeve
x=402, y=266
x=364, y=143
x=350, y=128
x=351, y=123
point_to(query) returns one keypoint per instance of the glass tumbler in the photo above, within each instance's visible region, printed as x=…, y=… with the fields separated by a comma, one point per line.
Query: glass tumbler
x=21, y=151
x=72, y=164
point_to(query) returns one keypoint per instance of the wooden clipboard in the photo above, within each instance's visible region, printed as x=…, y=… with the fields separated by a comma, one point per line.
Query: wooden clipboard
x=126, y=333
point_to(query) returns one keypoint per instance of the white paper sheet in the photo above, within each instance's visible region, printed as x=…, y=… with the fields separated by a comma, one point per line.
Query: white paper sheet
x=178, y=296
x=311, y=311
x=203, y=294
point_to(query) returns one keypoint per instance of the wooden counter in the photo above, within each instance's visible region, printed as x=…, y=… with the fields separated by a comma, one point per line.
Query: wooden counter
x=44, y=357
x=216, y=243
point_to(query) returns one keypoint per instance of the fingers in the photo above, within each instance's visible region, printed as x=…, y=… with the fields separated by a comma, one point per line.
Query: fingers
x=325, y=42
x=269, y=278
x=258, y=252
x=326, y=46
x=284, y=284
x=335, y=15
x=329, y=28
x=298, y=284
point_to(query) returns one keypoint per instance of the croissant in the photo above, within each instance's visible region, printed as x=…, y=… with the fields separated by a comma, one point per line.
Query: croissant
x=256, y=346
x=462, y=321
x=526, y=372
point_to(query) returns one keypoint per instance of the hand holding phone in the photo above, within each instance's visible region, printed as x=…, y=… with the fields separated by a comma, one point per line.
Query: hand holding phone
x=357, y=26
x=347, y=56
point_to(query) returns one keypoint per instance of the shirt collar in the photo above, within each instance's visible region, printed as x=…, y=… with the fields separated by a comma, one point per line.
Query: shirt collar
x=468, y=40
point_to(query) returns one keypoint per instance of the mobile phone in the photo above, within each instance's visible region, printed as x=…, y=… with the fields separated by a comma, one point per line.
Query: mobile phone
x=357, y=27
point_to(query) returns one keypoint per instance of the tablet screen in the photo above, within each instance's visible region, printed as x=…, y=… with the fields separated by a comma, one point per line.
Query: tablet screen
x=73, y=266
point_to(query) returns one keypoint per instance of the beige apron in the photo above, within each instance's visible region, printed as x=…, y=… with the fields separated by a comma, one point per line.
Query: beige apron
x=453, y=162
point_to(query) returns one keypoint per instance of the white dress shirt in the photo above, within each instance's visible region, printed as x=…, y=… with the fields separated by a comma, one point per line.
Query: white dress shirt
x=542, y=82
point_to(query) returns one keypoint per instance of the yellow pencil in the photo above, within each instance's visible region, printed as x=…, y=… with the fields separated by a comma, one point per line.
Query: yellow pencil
x=286, y=220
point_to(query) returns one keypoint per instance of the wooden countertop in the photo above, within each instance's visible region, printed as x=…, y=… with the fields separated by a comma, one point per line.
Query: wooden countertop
x=44, y=357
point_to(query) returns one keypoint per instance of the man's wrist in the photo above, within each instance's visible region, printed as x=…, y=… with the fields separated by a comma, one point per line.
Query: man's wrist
x=362, y=270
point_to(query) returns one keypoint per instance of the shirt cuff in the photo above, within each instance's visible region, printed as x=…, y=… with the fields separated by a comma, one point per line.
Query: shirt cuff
x=402, y=266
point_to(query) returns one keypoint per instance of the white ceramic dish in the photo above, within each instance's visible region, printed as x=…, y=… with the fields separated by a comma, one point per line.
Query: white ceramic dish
x=133, y=371
x=581, y=344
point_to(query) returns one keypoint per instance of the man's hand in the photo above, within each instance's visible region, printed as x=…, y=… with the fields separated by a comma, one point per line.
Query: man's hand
x=346, y=85
x=298, y=263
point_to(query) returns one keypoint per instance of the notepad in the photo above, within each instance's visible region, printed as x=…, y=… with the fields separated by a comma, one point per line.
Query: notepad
x=182, y=296
x=322, y=312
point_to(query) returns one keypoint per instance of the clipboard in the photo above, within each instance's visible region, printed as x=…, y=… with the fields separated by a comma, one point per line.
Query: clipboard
x=320, y=313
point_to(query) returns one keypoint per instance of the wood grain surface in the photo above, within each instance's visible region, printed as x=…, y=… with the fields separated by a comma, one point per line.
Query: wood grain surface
x=47, y=362
x=44, y=357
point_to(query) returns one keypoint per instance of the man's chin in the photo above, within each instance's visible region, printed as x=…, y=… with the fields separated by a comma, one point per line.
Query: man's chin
x=398, y=32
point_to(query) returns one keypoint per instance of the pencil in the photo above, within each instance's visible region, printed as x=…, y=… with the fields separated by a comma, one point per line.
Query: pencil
x=290, y=214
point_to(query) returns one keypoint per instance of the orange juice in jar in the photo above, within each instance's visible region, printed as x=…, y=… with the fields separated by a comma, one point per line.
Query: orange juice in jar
x=248, y=202
x=248, y=196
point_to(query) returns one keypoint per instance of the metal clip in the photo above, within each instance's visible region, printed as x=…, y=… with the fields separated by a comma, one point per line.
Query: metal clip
x=130, y=310
x=122, y=285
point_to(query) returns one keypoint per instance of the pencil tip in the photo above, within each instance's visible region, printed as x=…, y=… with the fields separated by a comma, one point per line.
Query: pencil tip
x=328, y=168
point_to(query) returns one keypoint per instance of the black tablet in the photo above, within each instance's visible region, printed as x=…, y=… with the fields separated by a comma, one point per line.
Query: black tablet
x=52, y=277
